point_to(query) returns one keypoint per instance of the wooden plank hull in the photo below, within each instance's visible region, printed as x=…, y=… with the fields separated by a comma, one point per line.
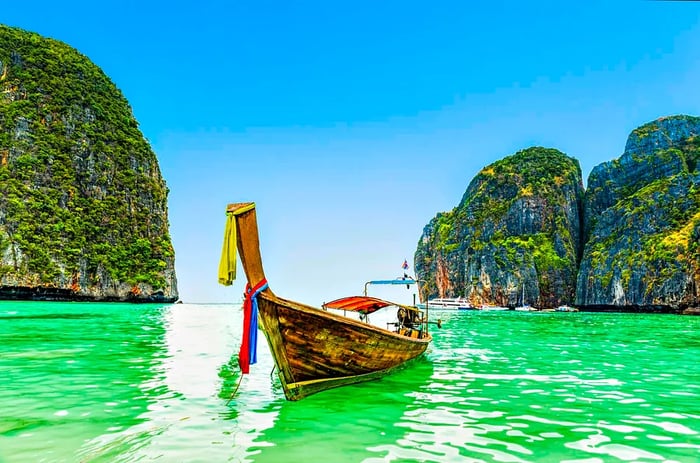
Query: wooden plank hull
x=315, y=350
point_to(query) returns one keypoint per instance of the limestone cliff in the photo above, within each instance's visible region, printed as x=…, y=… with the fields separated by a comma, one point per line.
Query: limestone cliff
x=648, y=156
x=643, y=218
x=83, y=205
x=514, y=237
x=522, y=224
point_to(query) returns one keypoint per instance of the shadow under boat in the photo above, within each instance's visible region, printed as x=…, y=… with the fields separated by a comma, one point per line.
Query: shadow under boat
x=314, y=349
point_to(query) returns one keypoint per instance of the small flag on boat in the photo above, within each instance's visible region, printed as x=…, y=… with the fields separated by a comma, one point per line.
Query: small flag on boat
x=405, y=265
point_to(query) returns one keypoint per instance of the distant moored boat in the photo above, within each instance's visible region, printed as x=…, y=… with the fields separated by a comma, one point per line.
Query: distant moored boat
x=455, y=303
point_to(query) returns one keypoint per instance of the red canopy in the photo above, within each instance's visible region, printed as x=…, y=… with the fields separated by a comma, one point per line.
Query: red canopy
x=362, y=304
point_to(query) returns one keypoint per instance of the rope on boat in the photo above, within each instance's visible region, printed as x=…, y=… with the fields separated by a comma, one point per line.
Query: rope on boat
x=248, y=352
x=240, y=380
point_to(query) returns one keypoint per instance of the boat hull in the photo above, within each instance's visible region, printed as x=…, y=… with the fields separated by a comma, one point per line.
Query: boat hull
x=315, y=350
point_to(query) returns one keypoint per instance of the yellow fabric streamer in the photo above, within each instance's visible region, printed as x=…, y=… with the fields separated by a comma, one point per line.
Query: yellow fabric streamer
x=227, y=264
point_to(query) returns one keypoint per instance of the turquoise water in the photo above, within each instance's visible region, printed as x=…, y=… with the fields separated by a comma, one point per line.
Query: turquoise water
x=139, y=383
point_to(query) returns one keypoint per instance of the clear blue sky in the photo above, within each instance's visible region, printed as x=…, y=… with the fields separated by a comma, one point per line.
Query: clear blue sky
x=351, y=124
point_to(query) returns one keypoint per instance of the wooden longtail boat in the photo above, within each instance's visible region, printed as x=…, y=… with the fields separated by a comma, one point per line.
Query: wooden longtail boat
x=315, y=349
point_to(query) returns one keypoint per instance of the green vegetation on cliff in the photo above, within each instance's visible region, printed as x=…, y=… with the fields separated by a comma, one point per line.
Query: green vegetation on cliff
x=81, y=194
x=519, y=220
x=643, y=248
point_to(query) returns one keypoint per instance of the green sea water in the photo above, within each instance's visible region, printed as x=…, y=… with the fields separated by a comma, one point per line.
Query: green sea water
x=138, y=383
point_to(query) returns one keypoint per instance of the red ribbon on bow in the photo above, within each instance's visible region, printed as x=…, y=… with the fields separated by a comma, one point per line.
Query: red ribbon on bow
x=247, y=355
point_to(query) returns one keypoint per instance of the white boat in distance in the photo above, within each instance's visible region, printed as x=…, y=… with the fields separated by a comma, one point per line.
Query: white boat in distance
x=455, y=303
x=525, y=308
x=494, y=308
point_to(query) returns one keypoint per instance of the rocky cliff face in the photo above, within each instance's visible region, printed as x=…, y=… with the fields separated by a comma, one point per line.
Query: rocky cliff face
x=83, y=205
x=519, y=225
x=514, y=238
x=642, y=217
x=648, y=157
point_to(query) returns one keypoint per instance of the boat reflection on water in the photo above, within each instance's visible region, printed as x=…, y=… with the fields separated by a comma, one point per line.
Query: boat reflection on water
x=349, y=421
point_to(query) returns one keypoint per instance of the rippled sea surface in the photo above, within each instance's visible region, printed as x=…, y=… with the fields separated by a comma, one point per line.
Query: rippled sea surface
x=140, y=383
